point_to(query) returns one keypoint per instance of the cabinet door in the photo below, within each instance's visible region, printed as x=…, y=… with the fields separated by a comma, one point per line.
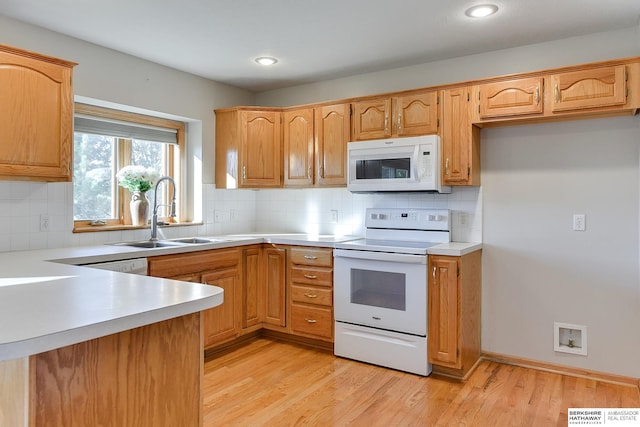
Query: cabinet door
x=275, y=261
x=36, y=124
x=599, y=87
x=511, y=98
x=221, y=322
x=251, y=300
x=371, y=119
x=460, y=140
x=332, y=133
x=298, y=148
x=444, y=314
x=261, y=151
x=415, y=114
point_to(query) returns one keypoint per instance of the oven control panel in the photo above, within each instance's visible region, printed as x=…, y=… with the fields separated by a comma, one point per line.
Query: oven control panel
x=408, y=219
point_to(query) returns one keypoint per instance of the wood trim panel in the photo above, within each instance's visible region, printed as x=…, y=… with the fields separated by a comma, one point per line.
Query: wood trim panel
x=142, y=377
x=181, y=264
x=562, y=369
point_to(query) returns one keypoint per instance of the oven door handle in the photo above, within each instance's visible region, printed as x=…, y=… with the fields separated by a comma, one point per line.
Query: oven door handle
x=380, y=256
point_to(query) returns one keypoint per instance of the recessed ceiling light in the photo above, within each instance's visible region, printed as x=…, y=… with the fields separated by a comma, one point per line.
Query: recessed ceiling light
x=266, y=60
x=481, y=10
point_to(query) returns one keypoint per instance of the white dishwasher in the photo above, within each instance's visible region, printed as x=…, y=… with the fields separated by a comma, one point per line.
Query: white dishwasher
x=133, y=266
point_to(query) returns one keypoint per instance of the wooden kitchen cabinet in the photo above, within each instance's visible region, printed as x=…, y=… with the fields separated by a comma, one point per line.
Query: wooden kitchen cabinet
x=252, y=304
x=36, y=124
x=460, y=139
x=596, y=88
x=219, y=267
x=298, y=147
x=332, y=133
x=315, y=146
x=454, y=313
x=275, y=264
x=311, y=292
x=411, y=114
x=511, y=98
x=248, y=148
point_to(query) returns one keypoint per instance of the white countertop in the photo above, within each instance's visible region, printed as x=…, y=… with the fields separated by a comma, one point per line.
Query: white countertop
x=46, y=305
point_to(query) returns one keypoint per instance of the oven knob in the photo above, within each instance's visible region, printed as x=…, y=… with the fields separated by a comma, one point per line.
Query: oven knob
x=374, y=216
x=432, y=217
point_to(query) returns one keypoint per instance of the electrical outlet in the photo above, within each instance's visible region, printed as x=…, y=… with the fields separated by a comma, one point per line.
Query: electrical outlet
x=333, y=216
x=45, y=223
x=462, y=218
x=579, y=222
x=233, y=214
x=221, y=216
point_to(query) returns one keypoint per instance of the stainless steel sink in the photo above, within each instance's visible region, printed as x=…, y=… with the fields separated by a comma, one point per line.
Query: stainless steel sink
x=148, y=244
x=195, y=240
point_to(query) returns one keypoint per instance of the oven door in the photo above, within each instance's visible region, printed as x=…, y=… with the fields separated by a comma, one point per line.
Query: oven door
x=381, y=290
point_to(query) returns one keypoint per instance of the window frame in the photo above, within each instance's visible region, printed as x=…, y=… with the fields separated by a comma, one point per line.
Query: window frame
x=176, y=166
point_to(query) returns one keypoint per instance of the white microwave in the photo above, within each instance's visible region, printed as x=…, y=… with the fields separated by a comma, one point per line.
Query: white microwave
x=397, y=164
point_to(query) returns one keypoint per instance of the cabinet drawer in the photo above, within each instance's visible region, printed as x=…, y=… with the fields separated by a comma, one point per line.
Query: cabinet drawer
x=320, y=257
x=312, y=276
x=312, y=295
x=315, y=321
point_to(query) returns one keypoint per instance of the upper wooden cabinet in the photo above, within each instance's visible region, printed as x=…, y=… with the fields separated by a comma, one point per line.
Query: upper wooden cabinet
x=403, y=115
x=298, y=147
x=511, y=98
x=332, y=133
x=315, y=146
x=248, y=148
x=460, y=139
x=36, y=124
x=593, y=88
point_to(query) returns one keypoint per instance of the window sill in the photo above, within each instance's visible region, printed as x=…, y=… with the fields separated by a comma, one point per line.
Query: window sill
x=86, y=227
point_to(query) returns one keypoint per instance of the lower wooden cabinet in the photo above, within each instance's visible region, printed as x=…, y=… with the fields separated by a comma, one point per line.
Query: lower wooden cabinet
x=311, y=292
x=218, y=267
x=274, y=277
x=454, y=313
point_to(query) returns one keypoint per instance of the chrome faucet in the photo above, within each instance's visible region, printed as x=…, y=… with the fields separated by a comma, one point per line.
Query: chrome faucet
x=172, y=206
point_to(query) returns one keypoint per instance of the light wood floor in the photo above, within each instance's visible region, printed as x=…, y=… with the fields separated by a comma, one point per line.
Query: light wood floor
x=272, y=383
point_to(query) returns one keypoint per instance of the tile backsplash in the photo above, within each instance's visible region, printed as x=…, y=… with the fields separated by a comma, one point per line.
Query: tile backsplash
x=316, y=210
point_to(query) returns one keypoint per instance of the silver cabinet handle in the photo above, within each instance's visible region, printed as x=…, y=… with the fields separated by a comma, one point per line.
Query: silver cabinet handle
x=556, y=91
x=311, y=295
x=310, y=257
x=244, y=173
x=310, y=276
x=386, y=123
x=446, y=166
x=399, y=122
x=311, y=320
x=434, y=271
x=309, y=172
x=537, y=96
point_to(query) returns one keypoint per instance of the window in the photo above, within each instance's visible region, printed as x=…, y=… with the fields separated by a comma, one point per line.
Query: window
x=106, y=140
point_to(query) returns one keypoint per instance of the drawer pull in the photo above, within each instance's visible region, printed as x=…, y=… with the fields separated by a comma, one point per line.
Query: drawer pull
x=310, y=257
x=310, y=276
x=311, y=320
x=311, y=295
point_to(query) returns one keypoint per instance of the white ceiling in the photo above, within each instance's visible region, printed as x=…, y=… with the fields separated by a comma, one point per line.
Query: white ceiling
x=313, y=39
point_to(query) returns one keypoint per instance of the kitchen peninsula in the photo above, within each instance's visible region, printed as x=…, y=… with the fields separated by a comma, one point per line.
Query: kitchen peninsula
x=80, y=346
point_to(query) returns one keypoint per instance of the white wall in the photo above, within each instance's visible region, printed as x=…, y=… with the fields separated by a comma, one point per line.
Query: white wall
x=536, y=270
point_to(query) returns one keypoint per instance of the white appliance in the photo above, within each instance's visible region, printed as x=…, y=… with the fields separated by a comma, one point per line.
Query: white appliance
x=397, y=164
x=380, y=288
x=133, y=266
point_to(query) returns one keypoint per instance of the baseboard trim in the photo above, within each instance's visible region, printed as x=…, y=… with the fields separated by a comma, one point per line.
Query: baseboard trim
x=562, y=369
